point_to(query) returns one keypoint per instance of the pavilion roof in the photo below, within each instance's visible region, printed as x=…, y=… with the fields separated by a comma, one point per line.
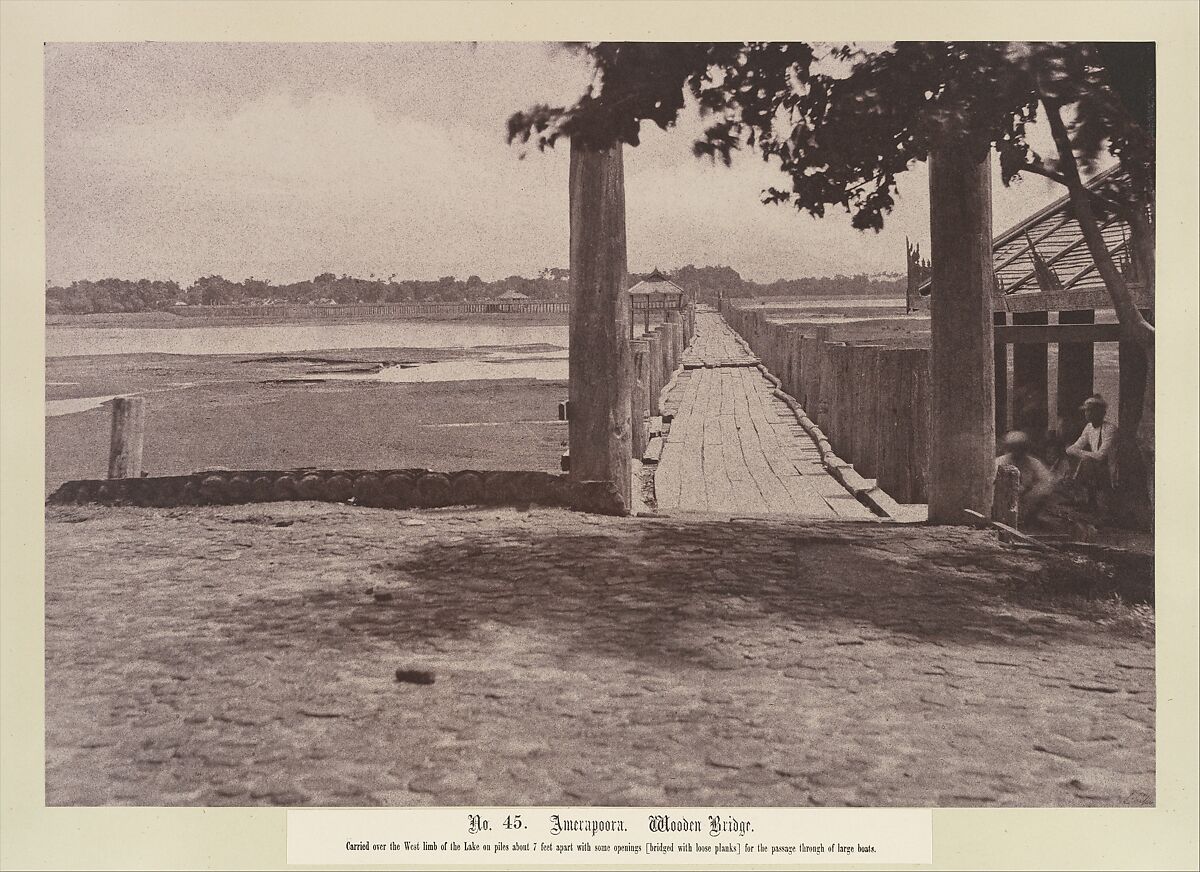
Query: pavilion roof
x=656, y=283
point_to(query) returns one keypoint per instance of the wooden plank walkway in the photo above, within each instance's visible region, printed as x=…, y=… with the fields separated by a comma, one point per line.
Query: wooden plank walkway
x=733, y=446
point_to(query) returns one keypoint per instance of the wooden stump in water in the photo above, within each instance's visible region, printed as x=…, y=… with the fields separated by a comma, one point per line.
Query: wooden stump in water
x=128, y=431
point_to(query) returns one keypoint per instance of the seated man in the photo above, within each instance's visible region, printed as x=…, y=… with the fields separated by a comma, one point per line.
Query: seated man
x=1036, y=483
x=1095, y=451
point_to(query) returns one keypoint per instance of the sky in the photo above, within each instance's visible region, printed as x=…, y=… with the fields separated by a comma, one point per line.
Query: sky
x=281, y=161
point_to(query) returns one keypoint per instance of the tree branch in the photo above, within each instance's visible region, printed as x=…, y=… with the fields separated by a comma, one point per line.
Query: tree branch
x=1128, y=314
x=1040, y=169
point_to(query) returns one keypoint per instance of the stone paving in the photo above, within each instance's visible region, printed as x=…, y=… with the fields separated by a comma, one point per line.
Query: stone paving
x=247, y=656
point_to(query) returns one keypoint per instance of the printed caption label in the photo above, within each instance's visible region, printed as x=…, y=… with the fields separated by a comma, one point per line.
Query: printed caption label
x=629, y=836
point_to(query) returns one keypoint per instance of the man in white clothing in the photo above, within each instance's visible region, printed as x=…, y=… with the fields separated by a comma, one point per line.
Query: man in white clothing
x=1095, y=449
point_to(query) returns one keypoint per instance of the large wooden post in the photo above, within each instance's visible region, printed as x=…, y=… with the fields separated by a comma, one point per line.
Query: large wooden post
x=1076, y=374
x=1031, y=403
x=599, y=358
x=128, y=433
x=962, y=410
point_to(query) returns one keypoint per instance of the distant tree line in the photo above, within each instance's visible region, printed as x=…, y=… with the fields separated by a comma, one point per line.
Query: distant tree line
x=707, y=281
x=126, y=295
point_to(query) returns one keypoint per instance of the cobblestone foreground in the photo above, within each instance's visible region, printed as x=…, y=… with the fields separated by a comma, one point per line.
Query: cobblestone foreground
x=247, y=655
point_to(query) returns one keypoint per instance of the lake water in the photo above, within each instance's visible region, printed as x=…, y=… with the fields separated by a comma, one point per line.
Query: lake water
x=542, y=364
x=54, y=408
x=285, y=338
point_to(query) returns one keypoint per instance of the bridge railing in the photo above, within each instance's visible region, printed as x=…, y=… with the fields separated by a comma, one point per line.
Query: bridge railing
x=867, y=383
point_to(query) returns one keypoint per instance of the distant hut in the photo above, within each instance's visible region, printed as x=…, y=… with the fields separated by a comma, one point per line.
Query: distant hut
x=655, y=293
x=513, y=295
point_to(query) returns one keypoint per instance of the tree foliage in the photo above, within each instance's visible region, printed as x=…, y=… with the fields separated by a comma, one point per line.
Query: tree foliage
x=121, y=295
x=842, y=124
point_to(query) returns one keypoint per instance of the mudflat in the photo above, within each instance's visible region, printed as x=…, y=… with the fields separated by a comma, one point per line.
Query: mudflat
x=283, y=411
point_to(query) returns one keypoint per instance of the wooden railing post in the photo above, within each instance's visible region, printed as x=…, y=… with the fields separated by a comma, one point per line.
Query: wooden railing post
x=675, y=326
x=654, y=364
x=639, y=396
x=1000, y=368
x=1076, y=375
x=664, y=347
x=599, y=356
x=1031, y=411
x=128, y=433
x=963, y=436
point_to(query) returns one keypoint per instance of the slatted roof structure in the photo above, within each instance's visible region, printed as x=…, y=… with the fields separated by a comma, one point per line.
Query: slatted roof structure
x=1043, y=263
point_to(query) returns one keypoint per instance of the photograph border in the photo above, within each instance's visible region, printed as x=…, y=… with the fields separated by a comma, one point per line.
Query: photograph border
x=38, y=837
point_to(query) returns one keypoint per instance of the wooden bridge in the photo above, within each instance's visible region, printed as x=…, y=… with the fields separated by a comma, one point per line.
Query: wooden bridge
x=917, y=410
x=733, y=446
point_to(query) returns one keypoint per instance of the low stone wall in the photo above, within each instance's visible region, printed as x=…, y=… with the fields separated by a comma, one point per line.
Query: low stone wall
x=384, y=488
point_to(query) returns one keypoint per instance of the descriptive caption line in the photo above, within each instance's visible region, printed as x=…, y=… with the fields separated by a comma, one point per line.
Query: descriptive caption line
x=685, y=836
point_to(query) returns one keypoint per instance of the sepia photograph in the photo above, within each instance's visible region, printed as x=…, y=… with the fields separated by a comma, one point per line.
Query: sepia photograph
x=652, y=435
x=600, y=424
